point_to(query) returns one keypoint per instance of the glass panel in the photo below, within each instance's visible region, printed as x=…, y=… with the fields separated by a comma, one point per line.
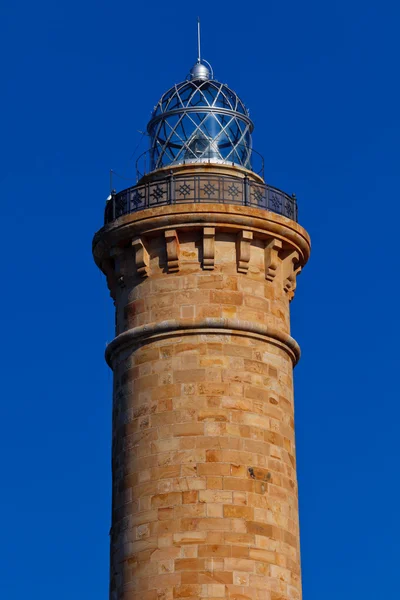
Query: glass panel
x=201, y=134
x=209, y=93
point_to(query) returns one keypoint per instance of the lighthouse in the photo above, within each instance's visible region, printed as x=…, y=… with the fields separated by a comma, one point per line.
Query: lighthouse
x=201, y=258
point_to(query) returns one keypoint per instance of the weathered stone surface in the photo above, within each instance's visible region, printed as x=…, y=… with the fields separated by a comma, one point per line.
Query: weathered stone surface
x=203, y=453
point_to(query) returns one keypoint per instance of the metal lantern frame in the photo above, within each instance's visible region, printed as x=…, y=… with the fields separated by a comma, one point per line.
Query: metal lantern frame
x=200, y=120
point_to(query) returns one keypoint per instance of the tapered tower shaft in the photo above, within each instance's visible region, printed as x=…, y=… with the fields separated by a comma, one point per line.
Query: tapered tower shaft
x=203, y=454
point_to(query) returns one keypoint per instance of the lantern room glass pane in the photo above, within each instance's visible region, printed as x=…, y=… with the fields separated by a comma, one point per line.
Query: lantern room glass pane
x=200, y=121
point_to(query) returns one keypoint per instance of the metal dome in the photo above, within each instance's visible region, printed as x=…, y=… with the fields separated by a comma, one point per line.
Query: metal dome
x=200, y=120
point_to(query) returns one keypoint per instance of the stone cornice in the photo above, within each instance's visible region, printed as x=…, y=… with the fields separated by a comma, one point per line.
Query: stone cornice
x=179, y=327
x=231, y=217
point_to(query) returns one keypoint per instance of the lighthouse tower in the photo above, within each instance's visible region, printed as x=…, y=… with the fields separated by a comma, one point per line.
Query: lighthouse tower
x=201, y=259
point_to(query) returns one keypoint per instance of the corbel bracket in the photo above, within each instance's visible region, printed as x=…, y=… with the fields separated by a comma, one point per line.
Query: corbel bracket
x=244, y=239
x=272, y=259
x=172, y=247
x=141, y=257
x=107, y=266
x=118, y=255
x=208, y=248
x=291, y=270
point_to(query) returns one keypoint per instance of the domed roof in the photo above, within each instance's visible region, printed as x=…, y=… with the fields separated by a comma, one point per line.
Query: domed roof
x=200, y=119
x=200, y=92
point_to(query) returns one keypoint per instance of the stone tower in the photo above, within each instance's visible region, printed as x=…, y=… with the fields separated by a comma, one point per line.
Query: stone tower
x=201, y=259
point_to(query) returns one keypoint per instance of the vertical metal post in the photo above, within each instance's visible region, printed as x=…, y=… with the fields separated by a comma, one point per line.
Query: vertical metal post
x=198, y=41
x=171, y=189
x=294, y=206
x=246, y=190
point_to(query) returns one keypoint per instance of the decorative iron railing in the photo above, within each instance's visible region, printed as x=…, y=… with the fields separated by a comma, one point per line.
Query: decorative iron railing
x=184, y=189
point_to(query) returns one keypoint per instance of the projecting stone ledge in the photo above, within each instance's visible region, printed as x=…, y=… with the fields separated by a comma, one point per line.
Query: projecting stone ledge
x=179, y=327
x=183, y=238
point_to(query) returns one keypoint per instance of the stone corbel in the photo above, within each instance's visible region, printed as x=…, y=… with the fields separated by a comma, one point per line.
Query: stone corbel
x=272, y=259
x=141, y=257
x=118, y=255
x=244, y=240
x=107, y=266
x=172, y=246
x=208, y=248
x=291, y=270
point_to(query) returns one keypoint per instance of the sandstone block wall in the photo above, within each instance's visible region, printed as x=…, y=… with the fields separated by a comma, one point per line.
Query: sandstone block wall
x=204, y=473
x=205, y=494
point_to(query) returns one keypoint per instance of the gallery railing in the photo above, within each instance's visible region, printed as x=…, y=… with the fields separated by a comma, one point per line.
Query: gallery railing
x=203, y=188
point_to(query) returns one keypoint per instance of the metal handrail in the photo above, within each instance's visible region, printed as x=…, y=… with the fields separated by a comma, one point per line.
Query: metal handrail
x=201, y=188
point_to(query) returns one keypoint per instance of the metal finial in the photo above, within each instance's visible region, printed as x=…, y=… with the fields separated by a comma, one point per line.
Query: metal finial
x=202, y=69
x=198, y=41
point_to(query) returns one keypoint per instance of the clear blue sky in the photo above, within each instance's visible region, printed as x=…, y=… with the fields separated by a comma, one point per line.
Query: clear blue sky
x=322, y=83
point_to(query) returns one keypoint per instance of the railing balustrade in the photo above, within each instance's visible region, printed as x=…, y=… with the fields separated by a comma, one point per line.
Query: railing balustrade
x=203, y=188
